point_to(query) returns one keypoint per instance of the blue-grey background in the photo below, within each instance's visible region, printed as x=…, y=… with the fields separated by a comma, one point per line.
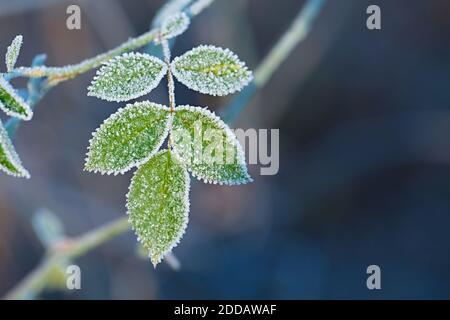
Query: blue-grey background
x=364, y=119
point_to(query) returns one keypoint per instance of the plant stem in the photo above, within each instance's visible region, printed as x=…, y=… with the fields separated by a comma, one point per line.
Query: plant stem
x=96, y=237
x=37, y=88
x=36, y=280
x=55, y=75
x=170, y=86
x=298, y=31
x=170, y=82
x=67, y=249
x=59, y=74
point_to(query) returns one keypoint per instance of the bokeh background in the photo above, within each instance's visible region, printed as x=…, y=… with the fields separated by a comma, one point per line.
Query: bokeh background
x=364, y=119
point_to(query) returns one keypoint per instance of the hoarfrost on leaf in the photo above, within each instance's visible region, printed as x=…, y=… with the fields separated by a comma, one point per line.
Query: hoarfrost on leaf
x=211, y=70
x=9, y=160
x=127, y=77
x=11, y=103
x=174, y=25
x=128, y=138
x=207, y=147
x=158, y=204
x=12, y=53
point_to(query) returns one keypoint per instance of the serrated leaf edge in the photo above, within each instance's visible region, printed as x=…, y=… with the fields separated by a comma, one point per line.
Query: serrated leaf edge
x=141, y=93
x=194, y=86
x=11, y=155
x=186, y=212
x=142, y=161
x=9, y=89
x=230, y=135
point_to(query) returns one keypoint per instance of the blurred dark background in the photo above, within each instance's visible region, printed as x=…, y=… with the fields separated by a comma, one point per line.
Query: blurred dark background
x=364, y=119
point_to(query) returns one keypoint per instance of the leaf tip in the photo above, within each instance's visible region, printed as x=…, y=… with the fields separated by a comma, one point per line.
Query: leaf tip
x=155, y=259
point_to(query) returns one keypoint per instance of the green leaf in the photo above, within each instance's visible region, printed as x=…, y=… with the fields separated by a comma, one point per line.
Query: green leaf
x=174, y=25
x=127, y=77
x=9, y=160
x=128, y=138
x=11, y=103
x=12, y=53
x=211, y=70
x=158, y=204
x=206, y=145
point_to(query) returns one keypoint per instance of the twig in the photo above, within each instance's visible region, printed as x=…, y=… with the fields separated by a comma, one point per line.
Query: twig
x=66, y=250
x=298, y=31
x=59, y=74
x=36, y=280
x=55, y=75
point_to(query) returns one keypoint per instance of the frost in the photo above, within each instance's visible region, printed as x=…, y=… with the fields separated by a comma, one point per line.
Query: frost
x=211, y=70
x=127, y=77
x=226, y=164
x=11, y=103
x=128, y=138
x=199, y=141
x=9, y=160
x=169, y=8
x=174, y=25
x=158, y=204
x=12, y=53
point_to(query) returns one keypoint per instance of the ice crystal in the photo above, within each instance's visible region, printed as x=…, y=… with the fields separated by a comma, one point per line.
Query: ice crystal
x=11, y=103
x=128, y=76
x=158, y=204
x=174, y=25
x=168, y=9
x=128, y=138
x=211, y=70
x=192, y=128
x=199, y=141
x=13, y=52
x=9, y=160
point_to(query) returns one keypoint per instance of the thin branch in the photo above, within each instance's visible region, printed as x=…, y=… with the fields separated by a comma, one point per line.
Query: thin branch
x=55, y=75
x=170, y=82
x=297, y=32
x=66, y=250
x=59, y=74
x=36, y=281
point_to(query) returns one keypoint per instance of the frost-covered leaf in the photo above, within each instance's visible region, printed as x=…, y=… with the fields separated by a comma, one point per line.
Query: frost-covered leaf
x=206, y=145
x=11, y=103
x=12, y=53
x=174, y=25
x=128, y=138
x=9, y=160
x=158, y=204
x=127, y=77
x=211, y=70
